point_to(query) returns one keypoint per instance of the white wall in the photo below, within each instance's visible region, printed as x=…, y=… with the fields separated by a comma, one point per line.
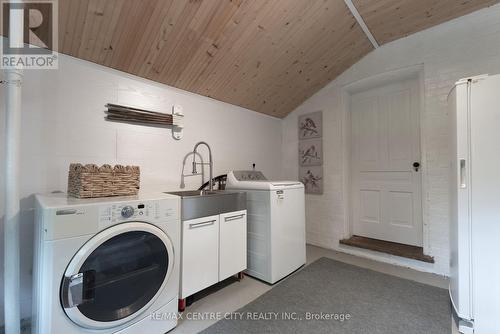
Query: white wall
x=63, y=122
x=467, y=46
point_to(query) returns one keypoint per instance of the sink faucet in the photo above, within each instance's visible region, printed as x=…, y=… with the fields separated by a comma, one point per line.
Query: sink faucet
x=210, y=163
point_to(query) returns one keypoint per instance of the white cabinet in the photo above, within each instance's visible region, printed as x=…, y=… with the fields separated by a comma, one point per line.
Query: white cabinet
x=213, y=249
x=200, y=254
x=232, y=243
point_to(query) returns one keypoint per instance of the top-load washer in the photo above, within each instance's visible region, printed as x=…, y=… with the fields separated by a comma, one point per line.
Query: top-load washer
x=276, y=224
x=107, y=265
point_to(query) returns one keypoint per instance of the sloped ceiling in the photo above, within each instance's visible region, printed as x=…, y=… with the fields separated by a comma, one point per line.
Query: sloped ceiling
x=389, y=20
x=265, y=55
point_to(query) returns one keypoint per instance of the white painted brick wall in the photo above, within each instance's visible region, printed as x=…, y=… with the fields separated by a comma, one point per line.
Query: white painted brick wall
x=63, y=122
x=466, y=46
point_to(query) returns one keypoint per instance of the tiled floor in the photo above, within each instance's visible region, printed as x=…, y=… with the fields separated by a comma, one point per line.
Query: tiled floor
x=237, y=294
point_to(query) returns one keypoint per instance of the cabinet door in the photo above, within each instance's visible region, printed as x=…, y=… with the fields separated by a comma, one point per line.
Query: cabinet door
x=200, y=254
x=233, y=243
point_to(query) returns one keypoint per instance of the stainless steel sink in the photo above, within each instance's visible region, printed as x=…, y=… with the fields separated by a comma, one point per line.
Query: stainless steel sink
x=203, y=203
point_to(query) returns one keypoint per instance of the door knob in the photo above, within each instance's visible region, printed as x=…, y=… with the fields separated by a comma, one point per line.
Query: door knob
x=416, y=166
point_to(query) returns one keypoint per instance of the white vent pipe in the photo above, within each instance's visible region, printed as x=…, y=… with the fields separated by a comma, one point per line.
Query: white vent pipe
x=13, y=81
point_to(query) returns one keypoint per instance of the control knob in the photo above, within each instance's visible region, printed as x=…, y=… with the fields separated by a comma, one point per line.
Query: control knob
x=127, y=211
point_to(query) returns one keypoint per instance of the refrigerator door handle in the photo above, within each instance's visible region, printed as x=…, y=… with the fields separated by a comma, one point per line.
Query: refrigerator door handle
x=463, y=179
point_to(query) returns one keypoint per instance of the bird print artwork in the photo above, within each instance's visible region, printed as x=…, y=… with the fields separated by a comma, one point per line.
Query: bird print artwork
x=312, y=178
x=310, y=125
x=310, y=152
x=308, y=128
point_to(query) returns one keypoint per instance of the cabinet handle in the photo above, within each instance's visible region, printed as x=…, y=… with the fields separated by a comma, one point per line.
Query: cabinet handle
x=202, y=224
x=227, y=219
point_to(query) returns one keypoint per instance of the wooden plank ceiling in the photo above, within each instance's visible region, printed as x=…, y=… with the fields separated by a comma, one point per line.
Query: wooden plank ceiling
x=265, y=55
x=389, y=20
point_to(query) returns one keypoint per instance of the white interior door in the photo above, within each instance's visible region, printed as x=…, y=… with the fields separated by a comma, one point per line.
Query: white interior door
x=386, y=187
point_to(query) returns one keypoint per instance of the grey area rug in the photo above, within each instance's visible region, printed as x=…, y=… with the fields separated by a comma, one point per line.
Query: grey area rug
x=374, y=302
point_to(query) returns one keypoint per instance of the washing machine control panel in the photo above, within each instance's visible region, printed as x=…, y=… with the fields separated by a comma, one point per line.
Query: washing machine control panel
x=153, y=211
x=249, y=175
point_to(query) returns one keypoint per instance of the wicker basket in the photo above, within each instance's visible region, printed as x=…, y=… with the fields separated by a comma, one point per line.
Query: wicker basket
x=92, y=181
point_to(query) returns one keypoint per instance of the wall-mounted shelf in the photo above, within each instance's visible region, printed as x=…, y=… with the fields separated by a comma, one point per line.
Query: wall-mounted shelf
x=124, y=114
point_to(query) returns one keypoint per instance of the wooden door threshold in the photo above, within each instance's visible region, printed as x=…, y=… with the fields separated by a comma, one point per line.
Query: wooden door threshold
x=388, y=247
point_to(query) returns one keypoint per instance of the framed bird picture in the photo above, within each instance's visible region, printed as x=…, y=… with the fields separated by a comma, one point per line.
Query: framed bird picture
x=311, y=125
x=312, y=178
x=311, y=152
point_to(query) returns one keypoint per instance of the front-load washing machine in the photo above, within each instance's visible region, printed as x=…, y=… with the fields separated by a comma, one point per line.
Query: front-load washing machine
x=107, y=265
x=276, y=239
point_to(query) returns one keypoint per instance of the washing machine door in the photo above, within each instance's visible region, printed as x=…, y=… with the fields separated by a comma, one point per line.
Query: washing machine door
x=117, y=275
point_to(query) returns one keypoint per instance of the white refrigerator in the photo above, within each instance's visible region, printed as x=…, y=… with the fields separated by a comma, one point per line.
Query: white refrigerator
x=474, y=113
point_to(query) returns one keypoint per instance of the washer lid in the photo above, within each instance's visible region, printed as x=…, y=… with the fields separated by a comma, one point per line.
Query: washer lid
x=116, y=275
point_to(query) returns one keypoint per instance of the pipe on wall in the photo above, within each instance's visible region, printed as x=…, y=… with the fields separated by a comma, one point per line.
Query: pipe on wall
x=12, y=205
x=13, y=83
